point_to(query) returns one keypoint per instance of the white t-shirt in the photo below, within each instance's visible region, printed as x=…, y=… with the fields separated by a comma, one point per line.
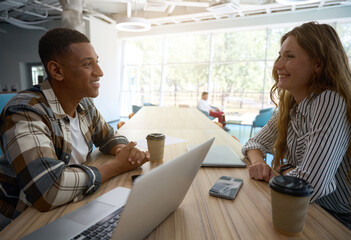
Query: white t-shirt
x=80, y=147
x=204, y=105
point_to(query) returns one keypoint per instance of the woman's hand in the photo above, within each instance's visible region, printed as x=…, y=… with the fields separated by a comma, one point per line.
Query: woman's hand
x=261, y=171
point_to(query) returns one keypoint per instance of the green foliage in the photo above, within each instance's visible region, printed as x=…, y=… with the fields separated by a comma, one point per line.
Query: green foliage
x=188, y=49
x=344, y=32
x=238, y=77
x=274, y=36
x=239, y=46
x=144, y=51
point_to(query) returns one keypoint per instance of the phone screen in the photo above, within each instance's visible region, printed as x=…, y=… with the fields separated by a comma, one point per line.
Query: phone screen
x=226, y=187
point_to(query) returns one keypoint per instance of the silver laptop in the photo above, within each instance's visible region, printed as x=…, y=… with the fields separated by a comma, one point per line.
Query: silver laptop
x=221, y=156
x=154, y=196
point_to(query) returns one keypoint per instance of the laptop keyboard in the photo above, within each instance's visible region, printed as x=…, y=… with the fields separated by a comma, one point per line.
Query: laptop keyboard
x=102, y=229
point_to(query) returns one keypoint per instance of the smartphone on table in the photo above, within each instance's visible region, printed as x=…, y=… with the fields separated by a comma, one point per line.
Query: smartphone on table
x=226, y=187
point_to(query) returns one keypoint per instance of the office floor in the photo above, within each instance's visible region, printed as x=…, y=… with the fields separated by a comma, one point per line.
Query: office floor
x=241, y=132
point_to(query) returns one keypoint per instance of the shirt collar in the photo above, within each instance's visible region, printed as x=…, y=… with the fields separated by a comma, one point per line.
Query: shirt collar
x=54, y=102
x=303, y=106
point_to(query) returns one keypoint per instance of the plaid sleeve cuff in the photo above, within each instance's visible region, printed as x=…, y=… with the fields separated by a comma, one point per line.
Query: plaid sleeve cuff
x=113, y=142
x=75, y=183
x=94, y=175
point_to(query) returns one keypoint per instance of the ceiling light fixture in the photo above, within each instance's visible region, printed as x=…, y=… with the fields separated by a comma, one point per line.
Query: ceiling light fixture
x=130, y=23
x=133, y=24
x=296, y=2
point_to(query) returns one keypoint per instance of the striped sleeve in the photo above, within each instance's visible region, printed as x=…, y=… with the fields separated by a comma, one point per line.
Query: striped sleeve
x=264, y=139
x=325, y=145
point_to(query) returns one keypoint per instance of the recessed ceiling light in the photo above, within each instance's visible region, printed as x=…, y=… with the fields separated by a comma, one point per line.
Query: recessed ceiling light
x=133, y=24
x=296, y=2
x=222, y=9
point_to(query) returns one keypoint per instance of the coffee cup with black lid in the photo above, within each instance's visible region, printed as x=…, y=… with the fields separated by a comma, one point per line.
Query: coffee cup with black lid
x=290, y=198
x=156, y=146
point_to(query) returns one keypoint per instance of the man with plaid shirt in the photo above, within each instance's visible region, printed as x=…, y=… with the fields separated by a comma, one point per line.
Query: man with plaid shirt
x=48, y=130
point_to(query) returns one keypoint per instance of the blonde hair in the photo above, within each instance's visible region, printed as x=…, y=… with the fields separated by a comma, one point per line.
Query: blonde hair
x=322, y=43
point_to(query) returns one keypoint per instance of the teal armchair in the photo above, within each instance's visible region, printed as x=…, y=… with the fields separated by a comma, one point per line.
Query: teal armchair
x=207, y=114
x=149, y=104
x=262, y=118
x=136, y=108
x=4, y=98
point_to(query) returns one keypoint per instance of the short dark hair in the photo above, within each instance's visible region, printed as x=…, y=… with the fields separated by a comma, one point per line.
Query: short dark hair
x=56, y=42
x=204, y=93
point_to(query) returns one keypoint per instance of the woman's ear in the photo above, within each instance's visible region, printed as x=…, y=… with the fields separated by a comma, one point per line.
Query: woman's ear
x=318, y=66
x=55, y=70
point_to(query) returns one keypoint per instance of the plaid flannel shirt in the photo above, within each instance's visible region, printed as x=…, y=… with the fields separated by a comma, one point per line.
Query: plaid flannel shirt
x=36, y=142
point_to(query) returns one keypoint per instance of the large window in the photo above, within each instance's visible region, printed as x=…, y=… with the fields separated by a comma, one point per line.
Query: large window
x=234, y=67
x=344, y=30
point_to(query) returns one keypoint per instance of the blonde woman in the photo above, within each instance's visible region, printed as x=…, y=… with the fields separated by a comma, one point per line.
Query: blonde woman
x=310, y=133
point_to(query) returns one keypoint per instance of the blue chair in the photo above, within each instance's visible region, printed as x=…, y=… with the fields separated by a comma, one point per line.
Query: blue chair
x=271, y=110
x=135, y=108
x=4, y=98
x=149, y=104
x=207, y=114
x=262, y=118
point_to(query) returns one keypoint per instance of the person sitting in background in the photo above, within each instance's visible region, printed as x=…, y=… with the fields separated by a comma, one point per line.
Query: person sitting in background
x=310, y=133
x=205, y=106
x=48, y=131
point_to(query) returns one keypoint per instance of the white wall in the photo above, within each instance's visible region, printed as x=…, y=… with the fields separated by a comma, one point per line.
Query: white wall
x=18, y=47
x=103, y=37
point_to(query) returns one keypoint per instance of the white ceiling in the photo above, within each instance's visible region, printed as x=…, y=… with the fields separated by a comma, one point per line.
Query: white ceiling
x=31, y=13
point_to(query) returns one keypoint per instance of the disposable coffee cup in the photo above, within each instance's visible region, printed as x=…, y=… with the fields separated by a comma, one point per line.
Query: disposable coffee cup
x=290, y=200
x=156, y=146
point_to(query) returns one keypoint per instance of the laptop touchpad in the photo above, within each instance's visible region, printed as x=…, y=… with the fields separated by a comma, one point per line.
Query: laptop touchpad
x=91, y=212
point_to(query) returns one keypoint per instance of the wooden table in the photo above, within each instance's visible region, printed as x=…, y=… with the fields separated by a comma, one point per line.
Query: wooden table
x=200, y=216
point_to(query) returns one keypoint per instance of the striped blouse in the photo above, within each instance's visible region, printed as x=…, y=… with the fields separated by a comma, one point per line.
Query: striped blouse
x=318, y=139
